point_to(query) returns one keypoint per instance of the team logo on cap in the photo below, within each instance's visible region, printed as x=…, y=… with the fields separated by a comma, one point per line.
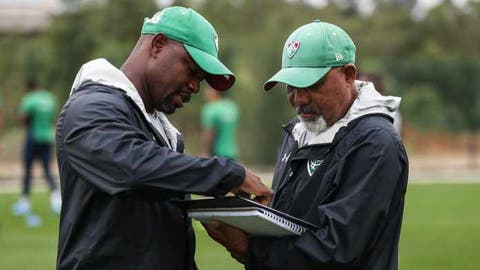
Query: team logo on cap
x=215, y=39
x=339, y=57
x=292, y=48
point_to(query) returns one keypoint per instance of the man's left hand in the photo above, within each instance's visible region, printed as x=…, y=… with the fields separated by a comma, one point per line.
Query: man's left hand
x=233, y=239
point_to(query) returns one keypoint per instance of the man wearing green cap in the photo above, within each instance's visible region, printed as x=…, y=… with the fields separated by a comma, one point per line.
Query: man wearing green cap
x=121, y=161
x=341, y=164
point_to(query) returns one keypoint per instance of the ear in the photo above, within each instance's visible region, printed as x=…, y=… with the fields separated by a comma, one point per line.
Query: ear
x=350, y=71
x=159, y=43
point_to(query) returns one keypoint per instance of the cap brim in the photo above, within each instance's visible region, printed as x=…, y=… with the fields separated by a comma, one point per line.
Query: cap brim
x=299, y=77
x=219, y=77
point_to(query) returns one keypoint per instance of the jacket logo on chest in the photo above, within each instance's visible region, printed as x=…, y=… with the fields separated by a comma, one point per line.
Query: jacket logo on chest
x=312, y=166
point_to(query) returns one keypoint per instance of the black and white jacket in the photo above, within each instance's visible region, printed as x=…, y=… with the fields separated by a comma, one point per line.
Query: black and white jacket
x=350, y=181
x=119, y=174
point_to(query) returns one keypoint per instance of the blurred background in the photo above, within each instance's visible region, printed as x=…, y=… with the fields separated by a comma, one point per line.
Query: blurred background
x=425, y=51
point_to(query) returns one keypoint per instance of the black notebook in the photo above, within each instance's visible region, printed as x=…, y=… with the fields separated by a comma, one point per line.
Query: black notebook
x=251, y=217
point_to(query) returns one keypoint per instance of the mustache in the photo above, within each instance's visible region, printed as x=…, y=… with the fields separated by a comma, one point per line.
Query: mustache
x=305, y=109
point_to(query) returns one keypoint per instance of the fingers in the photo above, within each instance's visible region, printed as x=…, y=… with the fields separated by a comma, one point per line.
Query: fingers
x=220, y=232
x=233, y=239
x=212, y=224
x=254, y=186
x=263, y=200
x=264, y=195
x=242, y=194
x=214, y=232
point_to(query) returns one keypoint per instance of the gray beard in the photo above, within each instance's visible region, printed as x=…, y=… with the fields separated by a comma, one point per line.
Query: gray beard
x=316, y=126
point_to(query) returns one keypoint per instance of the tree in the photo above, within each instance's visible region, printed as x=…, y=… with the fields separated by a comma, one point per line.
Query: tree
x=448, y=61
x=108, y=29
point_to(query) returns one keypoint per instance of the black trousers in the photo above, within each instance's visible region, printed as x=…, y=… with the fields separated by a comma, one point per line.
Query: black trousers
x=32, y=151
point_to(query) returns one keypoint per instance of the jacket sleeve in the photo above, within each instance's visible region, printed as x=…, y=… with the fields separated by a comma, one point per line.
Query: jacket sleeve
x=366, y=182
x=102, y=143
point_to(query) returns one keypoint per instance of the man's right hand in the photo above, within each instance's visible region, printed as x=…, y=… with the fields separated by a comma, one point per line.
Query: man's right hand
x=252, y=185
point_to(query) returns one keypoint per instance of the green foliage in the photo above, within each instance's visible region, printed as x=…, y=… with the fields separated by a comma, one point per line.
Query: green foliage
x=14, y=70
x=69, y=47
x=108, y=31
x=447, y=61
x=424, y=101
x=456, y=83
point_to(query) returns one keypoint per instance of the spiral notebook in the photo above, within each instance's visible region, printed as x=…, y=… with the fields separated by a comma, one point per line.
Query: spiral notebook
x=251, y=217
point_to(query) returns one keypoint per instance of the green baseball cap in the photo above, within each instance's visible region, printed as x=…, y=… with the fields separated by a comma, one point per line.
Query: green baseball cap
x=310, y=52
x=198, y=37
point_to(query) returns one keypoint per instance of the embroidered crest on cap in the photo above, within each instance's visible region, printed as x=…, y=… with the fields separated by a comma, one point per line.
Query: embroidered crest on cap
x=292, y=48
x=339, y=57
x=215, y=38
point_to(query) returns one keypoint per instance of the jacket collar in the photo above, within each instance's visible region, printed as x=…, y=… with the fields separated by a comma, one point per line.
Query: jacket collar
x=369, y=101
x=102, y=72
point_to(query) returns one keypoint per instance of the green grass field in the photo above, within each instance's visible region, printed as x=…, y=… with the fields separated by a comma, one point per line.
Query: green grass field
x=441, y=230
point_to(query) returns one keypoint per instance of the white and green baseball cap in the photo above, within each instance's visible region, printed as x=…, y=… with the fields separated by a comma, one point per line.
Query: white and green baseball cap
x=198, y=37
x=310, y=52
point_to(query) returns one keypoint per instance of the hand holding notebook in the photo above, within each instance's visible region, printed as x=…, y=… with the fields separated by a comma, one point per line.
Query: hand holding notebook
x=252, y=185
x=233, y=239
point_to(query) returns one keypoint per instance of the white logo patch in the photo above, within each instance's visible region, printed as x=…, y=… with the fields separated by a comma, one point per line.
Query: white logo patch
x=215, y=38
x=285, y=157
x=312, y=166
x=339, y=57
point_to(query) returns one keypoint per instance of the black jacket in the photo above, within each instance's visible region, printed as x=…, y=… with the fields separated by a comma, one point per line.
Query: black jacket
x=353, y=189
x=118, y=181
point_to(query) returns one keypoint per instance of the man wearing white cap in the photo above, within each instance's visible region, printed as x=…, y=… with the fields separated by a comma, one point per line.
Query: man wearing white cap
x=121, y=161
x=341, y=164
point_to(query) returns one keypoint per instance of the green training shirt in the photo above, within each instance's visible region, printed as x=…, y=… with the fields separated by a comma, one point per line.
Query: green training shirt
x=40, y=107
x=222, y=116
